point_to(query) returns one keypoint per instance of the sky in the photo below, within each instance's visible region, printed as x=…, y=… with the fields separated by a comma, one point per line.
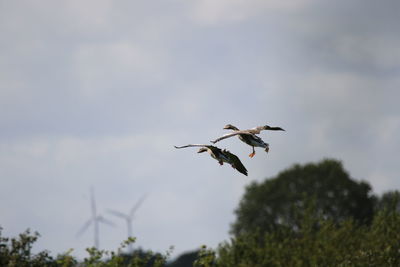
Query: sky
x=95, y=94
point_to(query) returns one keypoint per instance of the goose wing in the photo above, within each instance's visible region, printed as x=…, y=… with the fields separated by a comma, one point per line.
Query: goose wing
x=236, y=163
x=191, y=145
x=234, y=133
x=215, y=151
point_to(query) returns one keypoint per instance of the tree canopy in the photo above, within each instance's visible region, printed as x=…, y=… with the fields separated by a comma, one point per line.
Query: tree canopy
x=280, y=201
x=331, y=244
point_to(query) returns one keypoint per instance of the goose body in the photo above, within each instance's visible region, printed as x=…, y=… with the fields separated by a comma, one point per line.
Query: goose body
x=249, y=136
x=221, y=155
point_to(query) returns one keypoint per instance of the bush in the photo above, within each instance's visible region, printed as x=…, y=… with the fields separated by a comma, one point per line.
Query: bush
x=329, y=244
x=16, y=252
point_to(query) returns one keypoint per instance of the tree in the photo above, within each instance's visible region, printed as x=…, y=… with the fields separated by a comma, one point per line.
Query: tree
x=389, y=200
x=280, y=201
x=185, y=259
x=17, y=252
x=332, y=244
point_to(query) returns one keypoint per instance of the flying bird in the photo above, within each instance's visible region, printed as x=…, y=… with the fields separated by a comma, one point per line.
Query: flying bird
x=220, y=155
x=249, y=136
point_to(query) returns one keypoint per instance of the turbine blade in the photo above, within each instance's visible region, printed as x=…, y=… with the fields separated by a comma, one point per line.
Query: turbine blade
x=105, y=221
x=118, y=214
x=84, y=227
x=92, y=202
x=137, y=205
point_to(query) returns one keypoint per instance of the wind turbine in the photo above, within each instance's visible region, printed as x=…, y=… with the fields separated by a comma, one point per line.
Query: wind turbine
x=129, y=217
x=95, y=219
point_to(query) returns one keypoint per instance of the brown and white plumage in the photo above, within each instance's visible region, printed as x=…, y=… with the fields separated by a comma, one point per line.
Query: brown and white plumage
x=249, y=136
x=220, y=155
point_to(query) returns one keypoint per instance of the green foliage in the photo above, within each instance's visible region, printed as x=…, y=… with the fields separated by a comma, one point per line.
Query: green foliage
x=16, y=252
x=139, y=258
x=185, y=259
x=331, y=244
x=206, y=257
x=389, y=200
x=279, y=202
x=66, y=259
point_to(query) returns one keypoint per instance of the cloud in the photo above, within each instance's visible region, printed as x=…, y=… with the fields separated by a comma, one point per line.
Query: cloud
x=377, y=52
x=210, y=12
x=97, y=93
x=116, y=68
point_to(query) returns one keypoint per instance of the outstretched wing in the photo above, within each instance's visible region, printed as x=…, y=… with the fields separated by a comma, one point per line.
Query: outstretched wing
x=234, y=133
x=192, y=145
x=236, y=163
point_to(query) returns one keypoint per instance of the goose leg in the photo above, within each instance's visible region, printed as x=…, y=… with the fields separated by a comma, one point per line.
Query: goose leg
x=253, y=153
x=220, y=162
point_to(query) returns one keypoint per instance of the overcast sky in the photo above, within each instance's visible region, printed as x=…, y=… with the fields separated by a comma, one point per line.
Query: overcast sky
x=96, y=93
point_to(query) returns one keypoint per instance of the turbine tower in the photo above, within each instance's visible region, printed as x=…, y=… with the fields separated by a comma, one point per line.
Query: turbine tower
x=95, y=219
x=129, y=217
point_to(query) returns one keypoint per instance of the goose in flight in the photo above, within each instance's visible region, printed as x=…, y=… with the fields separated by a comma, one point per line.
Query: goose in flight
x=220, y=155
x=249, y=136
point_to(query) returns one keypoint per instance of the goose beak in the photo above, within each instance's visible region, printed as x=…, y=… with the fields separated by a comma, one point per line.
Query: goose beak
x=201, y=150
